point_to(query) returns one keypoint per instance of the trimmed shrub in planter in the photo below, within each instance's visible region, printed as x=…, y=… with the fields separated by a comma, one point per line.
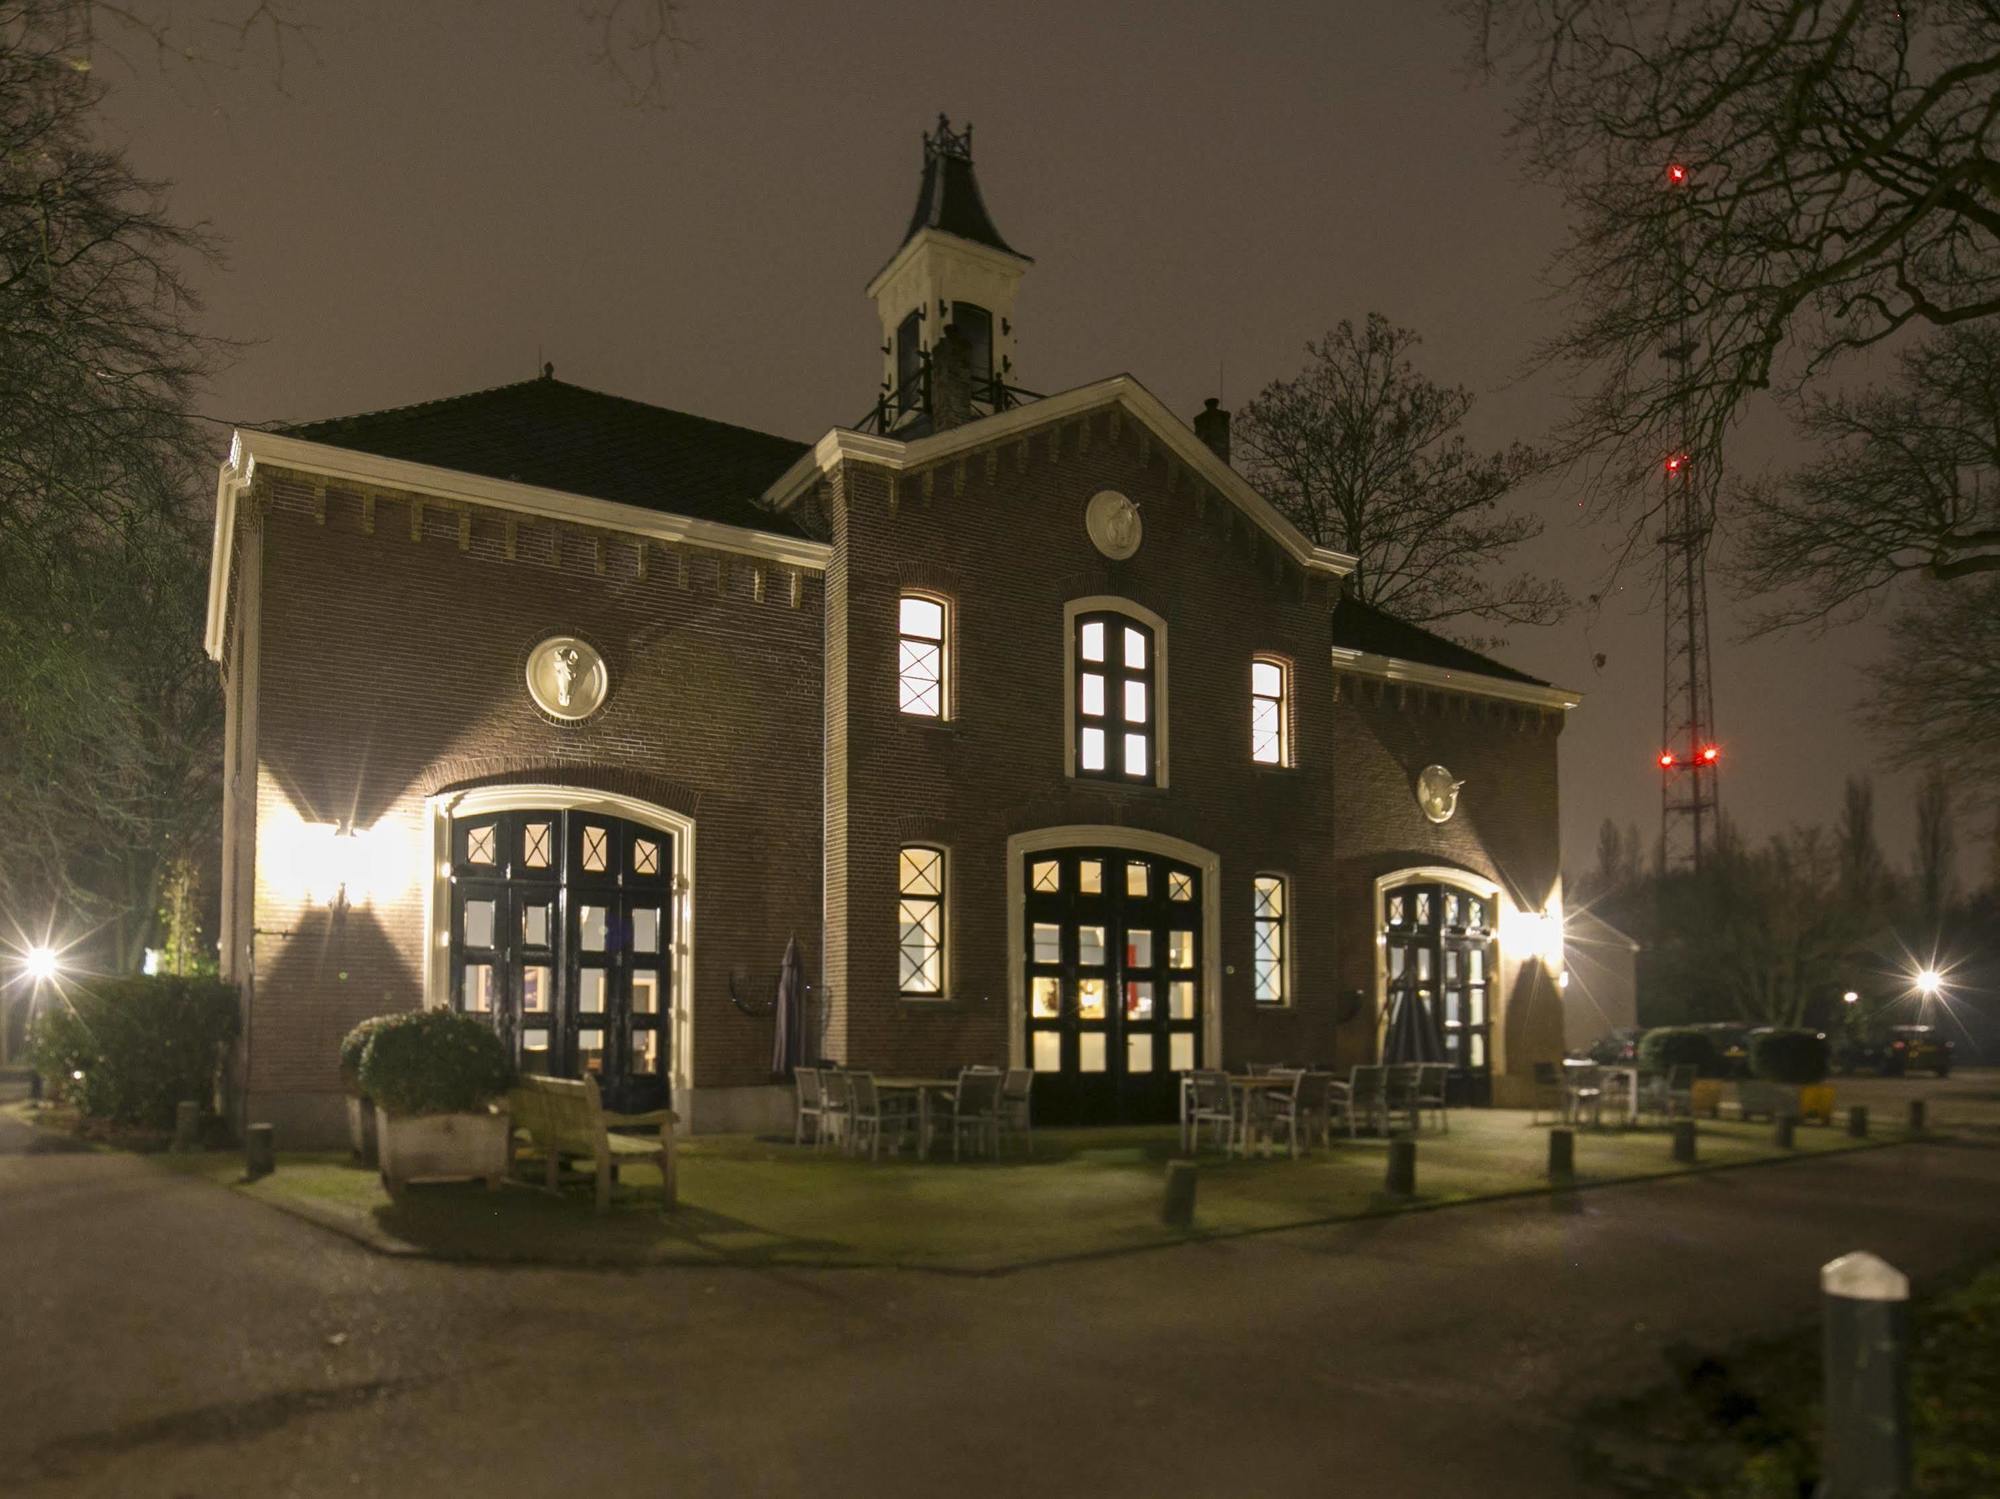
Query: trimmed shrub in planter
x=1676, y=1046
x=434, y=1076
x=360, y=1109
x=1795, y=1057
x=140, y=1043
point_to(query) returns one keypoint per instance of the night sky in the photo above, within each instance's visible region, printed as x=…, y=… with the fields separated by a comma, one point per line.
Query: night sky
x=448, y=194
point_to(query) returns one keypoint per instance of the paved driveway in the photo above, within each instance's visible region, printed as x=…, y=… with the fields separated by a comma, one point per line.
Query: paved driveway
x=163, y=1337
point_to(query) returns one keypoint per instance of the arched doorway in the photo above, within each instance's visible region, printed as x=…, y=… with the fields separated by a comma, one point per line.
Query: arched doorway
x=1439, y=975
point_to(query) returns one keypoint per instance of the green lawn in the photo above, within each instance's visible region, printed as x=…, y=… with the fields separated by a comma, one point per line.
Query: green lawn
x=752, y=1202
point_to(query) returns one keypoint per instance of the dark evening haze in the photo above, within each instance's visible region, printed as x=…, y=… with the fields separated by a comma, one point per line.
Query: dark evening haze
x=436, y=198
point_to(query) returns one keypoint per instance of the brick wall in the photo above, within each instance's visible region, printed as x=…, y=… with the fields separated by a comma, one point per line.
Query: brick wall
x=392, y=668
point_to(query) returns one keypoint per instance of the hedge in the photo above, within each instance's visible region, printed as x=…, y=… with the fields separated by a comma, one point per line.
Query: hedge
x=352, y=1046
x=1676, y=1046
x=434, y=1062
x=129, y=1049
x=1797, y=1057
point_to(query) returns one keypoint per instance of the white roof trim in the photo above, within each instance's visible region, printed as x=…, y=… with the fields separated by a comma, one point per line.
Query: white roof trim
x=248, y=449
x=1416, y=674
x=841, y=445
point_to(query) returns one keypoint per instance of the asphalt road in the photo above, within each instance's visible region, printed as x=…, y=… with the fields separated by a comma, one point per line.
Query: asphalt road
x=163, y=1337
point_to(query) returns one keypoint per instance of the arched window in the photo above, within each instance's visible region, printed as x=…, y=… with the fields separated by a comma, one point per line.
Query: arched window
x=1115, y=698
x=923, y=641
x=1270, y=705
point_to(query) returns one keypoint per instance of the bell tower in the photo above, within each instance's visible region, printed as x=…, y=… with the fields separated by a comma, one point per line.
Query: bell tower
x=953, y=274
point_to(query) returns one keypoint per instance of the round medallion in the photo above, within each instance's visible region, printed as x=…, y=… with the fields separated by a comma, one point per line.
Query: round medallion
x=1113, y=523
x=566, y=677
x=1437, y=793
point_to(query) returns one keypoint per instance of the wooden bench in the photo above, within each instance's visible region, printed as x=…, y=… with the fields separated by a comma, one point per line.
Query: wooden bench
x=564, y=1120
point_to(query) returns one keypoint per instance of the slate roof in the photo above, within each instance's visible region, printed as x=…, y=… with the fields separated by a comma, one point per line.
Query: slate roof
x=948, y=198
x=550, y=433
x=1363, y=627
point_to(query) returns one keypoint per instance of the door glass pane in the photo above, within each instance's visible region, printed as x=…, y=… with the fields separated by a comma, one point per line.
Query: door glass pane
x=1180, y=949
x=1451, y=963
x=590, y=990
x=1135, y=878
x=1451, y=1004
x=1048, y=942
x=536, y=989
x=1135, y=648
x=1139, y=1053
x=1478, y=956
x=1048, y=1051
x=1476, y=1006
x=535, y=925
x=645, y=856
x=590, y=1050
x=1093, y=749
x=1045, y=877
x=1180, y=886
x=1180, y=1050
x=536, y=840
x=482, y=988
x=1180, y=999
x=1093, y=640
x=479, y=844
x=646, y=930
x=1139, y=999
x=1423, y=964
x=596, y=846
x=1395, y=910
x=1135, y=702
x=1139, y=949
x=1090, y=877
x=590, y=923
x=645, y=993
x=1090, y=999
x=1093, y=694
x=1090, y=1051
x=479, y=923
x=1045, y=997
x=646, y=1052
x=1090, y=946
x=1478, y=1048
x=1135, y=754
x=534, y=1049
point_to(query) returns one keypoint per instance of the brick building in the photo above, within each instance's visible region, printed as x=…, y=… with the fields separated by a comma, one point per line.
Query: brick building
x=1045, y=736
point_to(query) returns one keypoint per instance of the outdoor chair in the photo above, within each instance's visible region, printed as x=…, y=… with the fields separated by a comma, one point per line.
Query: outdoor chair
x=1208, y=1102
x=1432, y=1078
x=806, y=1081
x=559, y=1120
x=1278, y=1108
x=974, y=1110
x=835, y=1107
x=1401, y=1093
x=1583, y=1092
x=1548, y=1091
x=1364, y=1098
x=869, y=1116
x=1016, y=1113
x=1670, y=1094
x=1316, y=1104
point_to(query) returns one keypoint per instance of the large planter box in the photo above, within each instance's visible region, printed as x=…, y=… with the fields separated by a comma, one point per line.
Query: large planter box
x=361, y=1129
x=1706, y=1097
x=442, y=1147
x=1816, y=1102
x=1757, y=1099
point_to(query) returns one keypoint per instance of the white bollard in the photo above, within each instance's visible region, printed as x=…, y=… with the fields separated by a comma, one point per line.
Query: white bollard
x=1865, y=1453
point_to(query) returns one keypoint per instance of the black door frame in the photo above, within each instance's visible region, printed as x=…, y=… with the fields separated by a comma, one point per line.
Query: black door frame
x=1443, y=924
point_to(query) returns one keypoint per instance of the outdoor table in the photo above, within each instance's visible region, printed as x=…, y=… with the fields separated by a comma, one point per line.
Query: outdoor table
x=1245, y=1086
x=1624, y=1078
x=923, y=1087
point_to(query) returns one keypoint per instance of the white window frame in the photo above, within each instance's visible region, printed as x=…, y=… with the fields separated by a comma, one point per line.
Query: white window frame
x=1284, y=704
x=1285, y=925
x=943, y=902
x=1105, y=603
x=944, y=651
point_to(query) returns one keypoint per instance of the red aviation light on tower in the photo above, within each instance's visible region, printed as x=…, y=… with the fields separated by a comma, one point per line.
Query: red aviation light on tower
x=1667, y=761
x=1677, y=173
x=1710, y=753
x=1676, y=463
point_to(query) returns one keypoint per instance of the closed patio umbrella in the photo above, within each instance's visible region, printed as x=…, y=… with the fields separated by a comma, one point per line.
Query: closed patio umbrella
x=1411, y=1035
x=788, y=1014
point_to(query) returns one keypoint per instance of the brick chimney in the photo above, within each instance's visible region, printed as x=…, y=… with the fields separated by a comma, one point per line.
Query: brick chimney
x=951, y=381
x=1211, y=425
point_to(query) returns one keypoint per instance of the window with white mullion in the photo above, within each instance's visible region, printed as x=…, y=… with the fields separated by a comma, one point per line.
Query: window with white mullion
x=1268, y=957
x=920, y=921
x=922, y=628
x=1115, y=698
x=1269, y=742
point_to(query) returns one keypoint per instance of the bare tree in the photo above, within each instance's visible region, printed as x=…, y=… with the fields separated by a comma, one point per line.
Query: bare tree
x=1365, y=454
x=1936, y=860
x=1937, y=692
x=1838, y=186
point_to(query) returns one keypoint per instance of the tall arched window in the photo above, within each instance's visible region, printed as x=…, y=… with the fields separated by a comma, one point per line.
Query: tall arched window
x=1115, y=697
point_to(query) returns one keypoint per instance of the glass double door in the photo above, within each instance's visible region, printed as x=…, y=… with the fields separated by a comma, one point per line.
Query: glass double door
x=1438, y=954
x=561, y=935
x=1113, y=970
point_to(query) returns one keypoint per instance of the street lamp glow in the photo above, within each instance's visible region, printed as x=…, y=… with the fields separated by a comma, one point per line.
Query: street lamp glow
x=41, y=964
x=1850, y=997
x=1929, y=983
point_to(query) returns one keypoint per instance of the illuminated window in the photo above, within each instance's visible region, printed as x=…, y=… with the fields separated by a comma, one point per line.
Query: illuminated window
x=920, y=656
x=1117, y=712
x=1267, y=940
x=1269, y=743
x=920, y=921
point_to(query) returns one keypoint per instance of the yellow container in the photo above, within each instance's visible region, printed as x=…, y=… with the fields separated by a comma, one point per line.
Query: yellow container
x=1816, y=1102
x=1707, y=1096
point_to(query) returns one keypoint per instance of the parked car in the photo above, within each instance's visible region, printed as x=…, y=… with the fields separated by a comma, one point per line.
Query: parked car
x=1619, y=1048
x=1899, y=1050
